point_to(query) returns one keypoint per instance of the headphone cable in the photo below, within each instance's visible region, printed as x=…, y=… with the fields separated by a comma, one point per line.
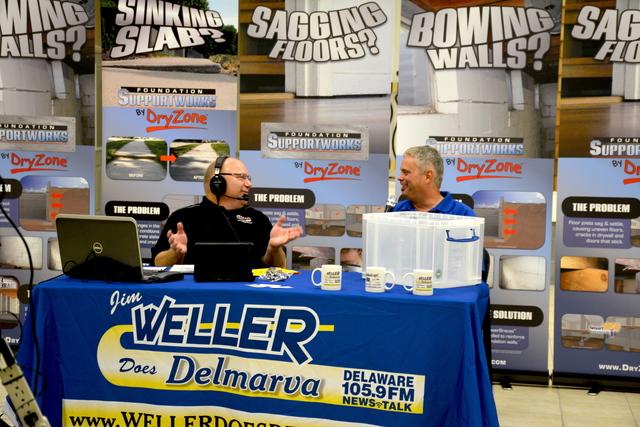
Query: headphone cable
x=223, y=212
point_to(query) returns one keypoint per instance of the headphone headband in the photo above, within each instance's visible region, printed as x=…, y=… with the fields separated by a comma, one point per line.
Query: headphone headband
x=218, y=165
x=217, y=183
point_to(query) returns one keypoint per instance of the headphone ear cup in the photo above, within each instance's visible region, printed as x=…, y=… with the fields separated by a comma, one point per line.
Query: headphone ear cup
x=218, y=185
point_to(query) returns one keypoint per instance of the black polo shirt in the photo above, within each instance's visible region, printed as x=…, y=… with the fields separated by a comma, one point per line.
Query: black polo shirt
x=205, y=222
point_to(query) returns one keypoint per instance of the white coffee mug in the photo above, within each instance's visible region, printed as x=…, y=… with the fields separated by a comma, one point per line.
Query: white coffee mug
x=375, y=279
x=422, y=282
x=330, y=277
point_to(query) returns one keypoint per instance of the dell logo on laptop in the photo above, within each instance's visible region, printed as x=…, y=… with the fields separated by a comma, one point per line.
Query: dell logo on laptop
x=97, y=248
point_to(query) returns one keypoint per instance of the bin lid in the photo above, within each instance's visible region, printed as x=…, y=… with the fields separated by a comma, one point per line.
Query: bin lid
x=417, y=218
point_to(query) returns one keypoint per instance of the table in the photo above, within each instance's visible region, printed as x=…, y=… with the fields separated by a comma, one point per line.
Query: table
x=189, y=354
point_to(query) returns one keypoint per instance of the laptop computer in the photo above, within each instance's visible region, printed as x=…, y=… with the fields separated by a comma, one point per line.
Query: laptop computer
x=107, y=248
x=222, y=262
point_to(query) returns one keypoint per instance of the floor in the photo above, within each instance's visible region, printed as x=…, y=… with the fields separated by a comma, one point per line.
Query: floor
x=525, y=406
x=318, y=112
x=578, y=126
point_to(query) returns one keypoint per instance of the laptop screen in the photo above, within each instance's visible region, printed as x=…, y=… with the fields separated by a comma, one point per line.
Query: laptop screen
x=99, y=247
x=222, y=262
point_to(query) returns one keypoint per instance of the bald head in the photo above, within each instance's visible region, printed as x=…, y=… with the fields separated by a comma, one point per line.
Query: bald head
x=230, y=164
x=238, y=183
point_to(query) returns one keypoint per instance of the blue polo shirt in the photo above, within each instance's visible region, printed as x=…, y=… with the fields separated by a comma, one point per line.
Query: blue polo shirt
x=446, y=206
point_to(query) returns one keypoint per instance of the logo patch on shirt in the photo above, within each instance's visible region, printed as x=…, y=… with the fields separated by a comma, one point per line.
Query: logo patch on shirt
x=244, y=219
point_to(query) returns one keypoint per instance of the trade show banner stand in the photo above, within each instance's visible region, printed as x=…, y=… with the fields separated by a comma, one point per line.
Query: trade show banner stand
x=47, y=126
x=315, y=119
x=169, y=104
x=484, y=97
x=597, y=326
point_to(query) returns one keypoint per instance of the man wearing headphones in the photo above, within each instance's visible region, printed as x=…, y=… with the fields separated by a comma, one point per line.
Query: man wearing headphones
x=224, y=216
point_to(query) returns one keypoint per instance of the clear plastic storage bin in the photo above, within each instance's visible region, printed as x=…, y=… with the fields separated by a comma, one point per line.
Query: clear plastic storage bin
x=450, y=245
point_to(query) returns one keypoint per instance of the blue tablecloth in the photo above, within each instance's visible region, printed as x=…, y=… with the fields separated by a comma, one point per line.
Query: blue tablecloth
x=235, y=354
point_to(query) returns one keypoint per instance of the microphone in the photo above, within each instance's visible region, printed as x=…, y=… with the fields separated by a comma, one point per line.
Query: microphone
x=391, y=203
x=244, y=197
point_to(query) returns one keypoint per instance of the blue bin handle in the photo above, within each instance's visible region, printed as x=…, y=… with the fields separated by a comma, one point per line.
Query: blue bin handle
x=467, y=240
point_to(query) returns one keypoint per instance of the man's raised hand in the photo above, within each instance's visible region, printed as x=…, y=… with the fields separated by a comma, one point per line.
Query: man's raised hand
x=178, y=240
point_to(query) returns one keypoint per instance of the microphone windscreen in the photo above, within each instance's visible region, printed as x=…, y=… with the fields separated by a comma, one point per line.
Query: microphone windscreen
x=391, y=203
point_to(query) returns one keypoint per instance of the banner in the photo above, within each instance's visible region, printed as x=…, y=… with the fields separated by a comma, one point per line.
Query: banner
x=47, y=126
x=598, y=217
x=188, y=353
x=169, y=101
x=315, y=119
x=478, y=83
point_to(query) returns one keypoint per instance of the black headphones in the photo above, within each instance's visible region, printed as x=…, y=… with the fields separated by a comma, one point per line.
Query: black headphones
x=217, y=183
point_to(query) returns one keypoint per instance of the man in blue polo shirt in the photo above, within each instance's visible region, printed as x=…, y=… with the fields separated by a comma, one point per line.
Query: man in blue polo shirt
x=420, y=179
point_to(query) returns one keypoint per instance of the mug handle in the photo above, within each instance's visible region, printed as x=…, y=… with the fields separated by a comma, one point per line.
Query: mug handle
x=393, y=280
x=314, y=272
x=405, y=285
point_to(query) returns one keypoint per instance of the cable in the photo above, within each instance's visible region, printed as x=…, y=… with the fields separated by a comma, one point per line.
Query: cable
x=393, y=104
x=223, y=212
x=103, y=268
x=32, y=313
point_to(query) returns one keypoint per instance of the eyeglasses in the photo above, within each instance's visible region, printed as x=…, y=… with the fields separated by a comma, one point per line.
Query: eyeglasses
x=240, y=176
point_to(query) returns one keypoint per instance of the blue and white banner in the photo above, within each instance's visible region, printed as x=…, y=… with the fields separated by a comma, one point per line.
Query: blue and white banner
x=183, y=353
x=598, y=267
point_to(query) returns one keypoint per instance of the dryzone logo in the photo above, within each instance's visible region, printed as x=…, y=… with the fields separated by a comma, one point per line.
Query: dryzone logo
x=486, y=169
x=37, y=162
x=631, y=169
x=177, y=119
x=332, y=171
